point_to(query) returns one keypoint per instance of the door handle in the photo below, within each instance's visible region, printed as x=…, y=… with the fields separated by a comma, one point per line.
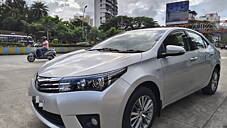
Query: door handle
x=193, y=58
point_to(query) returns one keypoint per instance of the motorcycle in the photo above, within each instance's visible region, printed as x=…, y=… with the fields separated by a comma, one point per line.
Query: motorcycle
x=37, y=53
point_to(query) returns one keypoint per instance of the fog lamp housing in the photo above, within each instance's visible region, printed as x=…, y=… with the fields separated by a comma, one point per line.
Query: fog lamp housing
x=89, y=121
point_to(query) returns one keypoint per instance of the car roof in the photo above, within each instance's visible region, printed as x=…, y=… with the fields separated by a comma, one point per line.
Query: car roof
x=169, y=29
x=166, y=28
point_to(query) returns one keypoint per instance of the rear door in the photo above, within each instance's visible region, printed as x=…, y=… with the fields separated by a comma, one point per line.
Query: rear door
x=177, y=70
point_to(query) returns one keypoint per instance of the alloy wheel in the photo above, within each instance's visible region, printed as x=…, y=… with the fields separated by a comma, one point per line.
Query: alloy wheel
x=214, y=81
x=142, y=112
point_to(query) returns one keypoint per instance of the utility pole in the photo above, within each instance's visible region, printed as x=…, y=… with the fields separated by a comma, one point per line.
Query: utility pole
x=84, y=21
x=84, y=10
x=1, y=9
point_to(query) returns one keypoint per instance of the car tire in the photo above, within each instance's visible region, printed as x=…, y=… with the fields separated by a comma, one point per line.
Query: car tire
x=133, y=112
x=211, y=88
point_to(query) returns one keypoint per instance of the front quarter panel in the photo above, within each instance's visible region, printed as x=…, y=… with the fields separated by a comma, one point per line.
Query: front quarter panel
x=146, y=71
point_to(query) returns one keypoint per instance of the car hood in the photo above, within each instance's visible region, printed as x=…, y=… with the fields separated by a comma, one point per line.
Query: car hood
x=86, y=63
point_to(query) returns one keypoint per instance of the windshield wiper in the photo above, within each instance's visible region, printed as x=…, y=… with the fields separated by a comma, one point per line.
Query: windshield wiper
x=106, y=49
x=132, y=51
x=116, y=50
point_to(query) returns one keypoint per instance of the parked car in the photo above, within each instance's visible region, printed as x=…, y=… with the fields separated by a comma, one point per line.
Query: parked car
x=125, y=81
x=224, y=46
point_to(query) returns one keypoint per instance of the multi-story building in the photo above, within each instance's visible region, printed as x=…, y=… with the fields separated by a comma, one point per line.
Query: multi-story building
x=86, y=19
x=104, y=9
x=212, y=17
x=192, y=15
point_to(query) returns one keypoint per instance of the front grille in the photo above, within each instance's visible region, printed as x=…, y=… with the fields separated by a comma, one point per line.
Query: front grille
x=53, y=118
x=47, y=84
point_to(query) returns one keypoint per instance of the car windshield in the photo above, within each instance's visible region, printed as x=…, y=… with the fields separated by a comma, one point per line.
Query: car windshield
x=132, y=41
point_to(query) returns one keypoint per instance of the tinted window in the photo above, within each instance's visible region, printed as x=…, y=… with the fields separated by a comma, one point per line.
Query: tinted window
x=141, y=40
x=195, y=41
x=177, y=38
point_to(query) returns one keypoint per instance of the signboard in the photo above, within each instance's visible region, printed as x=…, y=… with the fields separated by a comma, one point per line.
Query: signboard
x=177, y=13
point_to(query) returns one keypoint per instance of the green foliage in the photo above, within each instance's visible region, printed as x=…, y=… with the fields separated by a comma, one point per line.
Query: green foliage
x=55, y=41
x=96, y=35
x=9, y=23
x=11, y=44
x=37, y=11
x=78, y=23
x=16, y=15
x=112, y=31
x=129, y=23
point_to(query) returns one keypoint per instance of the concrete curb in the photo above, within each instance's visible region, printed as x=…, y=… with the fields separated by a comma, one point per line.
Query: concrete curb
x=27, y=50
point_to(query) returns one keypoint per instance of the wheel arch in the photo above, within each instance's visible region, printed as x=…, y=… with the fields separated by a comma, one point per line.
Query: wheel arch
x=155, y=89
x=218, y=66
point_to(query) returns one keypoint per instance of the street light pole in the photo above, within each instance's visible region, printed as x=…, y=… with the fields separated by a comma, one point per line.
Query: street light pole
x=84, y=21
x=84, y=10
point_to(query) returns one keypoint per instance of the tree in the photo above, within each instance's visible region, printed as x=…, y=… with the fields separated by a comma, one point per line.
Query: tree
x=129, y=23
x=12, y=13
x=78, y=34
x=15, y=8
x=10, y=23
x=49, y=25
x=96, y=35
x=144, y=22
x=78, y=23
x=112, y=31
x=119, y=22
x=37, y=11
x=62, y=32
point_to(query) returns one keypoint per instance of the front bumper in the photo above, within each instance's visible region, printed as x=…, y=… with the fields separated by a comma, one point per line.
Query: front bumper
x=109, y=105
x=44, y=120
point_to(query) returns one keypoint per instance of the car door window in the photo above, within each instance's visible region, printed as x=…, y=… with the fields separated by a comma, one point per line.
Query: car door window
x=195, y=41
x=177, y=38
x=205, y=42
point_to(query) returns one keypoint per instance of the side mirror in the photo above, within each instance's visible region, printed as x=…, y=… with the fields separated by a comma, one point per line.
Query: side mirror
x=173, y=50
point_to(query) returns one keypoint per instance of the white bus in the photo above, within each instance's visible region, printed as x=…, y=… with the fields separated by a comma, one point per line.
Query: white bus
x=27, y=40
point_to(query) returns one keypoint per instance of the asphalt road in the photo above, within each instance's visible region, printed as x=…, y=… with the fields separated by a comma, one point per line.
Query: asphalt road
x=194, y=111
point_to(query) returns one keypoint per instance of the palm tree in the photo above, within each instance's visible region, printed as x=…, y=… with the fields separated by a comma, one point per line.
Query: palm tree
x=16, y=8
x=38, y=10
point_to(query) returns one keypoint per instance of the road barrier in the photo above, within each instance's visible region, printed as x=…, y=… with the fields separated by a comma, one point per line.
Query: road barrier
x=27, y=50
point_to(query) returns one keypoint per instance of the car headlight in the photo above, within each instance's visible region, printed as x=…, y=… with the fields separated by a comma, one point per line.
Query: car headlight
x=97, y=82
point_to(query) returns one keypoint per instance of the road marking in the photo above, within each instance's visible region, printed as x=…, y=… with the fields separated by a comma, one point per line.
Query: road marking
x=223, y=58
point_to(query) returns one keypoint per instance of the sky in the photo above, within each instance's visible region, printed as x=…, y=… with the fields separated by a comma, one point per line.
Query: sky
x=156, y=9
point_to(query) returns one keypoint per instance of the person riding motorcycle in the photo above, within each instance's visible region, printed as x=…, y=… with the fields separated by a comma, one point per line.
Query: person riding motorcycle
x=41, y=53
x=45, y=47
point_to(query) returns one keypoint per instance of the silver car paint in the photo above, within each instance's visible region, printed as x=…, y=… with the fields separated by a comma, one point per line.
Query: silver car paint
x=170, y=74
x=88, y=62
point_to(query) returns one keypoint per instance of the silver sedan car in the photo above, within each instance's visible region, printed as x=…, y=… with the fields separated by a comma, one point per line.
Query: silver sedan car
x=125, y=81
